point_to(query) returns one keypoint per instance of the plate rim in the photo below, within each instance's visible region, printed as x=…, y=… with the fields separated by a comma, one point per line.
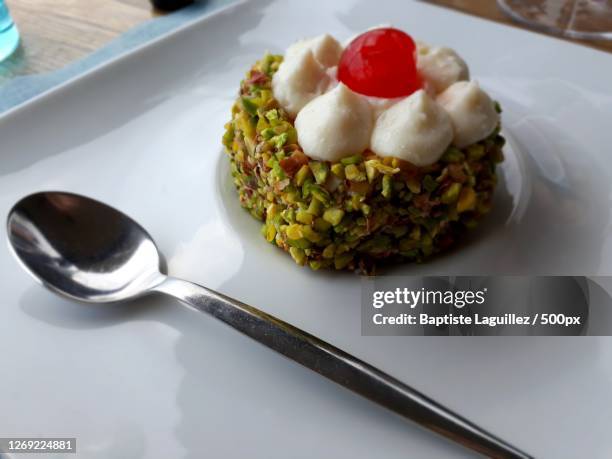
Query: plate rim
x=116, y=59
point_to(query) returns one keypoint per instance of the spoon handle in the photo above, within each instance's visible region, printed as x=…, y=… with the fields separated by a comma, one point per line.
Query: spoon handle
x=340, y=367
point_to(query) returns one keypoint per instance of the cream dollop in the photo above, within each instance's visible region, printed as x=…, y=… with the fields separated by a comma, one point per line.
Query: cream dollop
x=335, y=125
x=415, y=129
x=306, y=72
x=471, y=110
x=333, y=122
x=440, y=67
x=299, y=79
x=325, y=49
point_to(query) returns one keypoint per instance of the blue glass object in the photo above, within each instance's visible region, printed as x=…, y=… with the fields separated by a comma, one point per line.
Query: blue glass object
x=9, y=36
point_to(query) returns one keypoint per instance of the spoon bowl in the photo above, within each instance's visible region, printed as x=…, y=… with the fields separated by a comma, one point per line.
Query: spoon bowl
x=83, y=249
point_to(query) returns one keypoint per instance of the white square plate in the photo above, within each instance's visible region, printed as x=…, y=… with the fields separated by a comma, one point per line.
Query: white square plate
x=152, y=379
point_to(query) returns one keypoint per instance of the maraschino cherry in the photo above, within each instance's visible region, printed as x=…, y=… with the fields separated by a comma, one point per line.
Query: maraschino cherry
x=380, y=63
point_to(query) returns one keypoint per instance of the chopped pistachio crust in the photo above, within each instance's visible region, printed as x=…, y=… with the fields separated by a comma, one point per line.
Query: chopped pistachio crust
x=356, y=212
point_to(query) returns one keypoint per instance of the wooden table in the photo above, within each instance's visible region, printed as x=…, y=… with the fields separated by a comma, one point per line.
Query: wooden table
x=57, y=32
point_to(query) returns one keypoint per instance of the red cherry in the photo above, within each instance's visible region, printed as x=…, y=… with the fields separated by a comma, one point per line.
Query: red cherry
x=380, y=63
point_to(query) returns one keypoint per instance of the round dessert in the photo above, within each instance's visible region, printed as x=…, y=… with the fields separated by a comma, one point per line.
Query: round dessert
x=380, y=150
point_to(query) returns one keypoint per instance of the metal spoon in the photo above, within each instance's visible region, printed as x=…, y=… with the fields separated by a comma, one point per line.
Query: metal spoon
x=88, y=251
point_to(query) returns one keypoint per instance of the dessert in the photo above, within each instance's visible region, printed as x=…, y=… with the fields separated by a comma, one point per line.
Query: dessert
x=380, y=150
